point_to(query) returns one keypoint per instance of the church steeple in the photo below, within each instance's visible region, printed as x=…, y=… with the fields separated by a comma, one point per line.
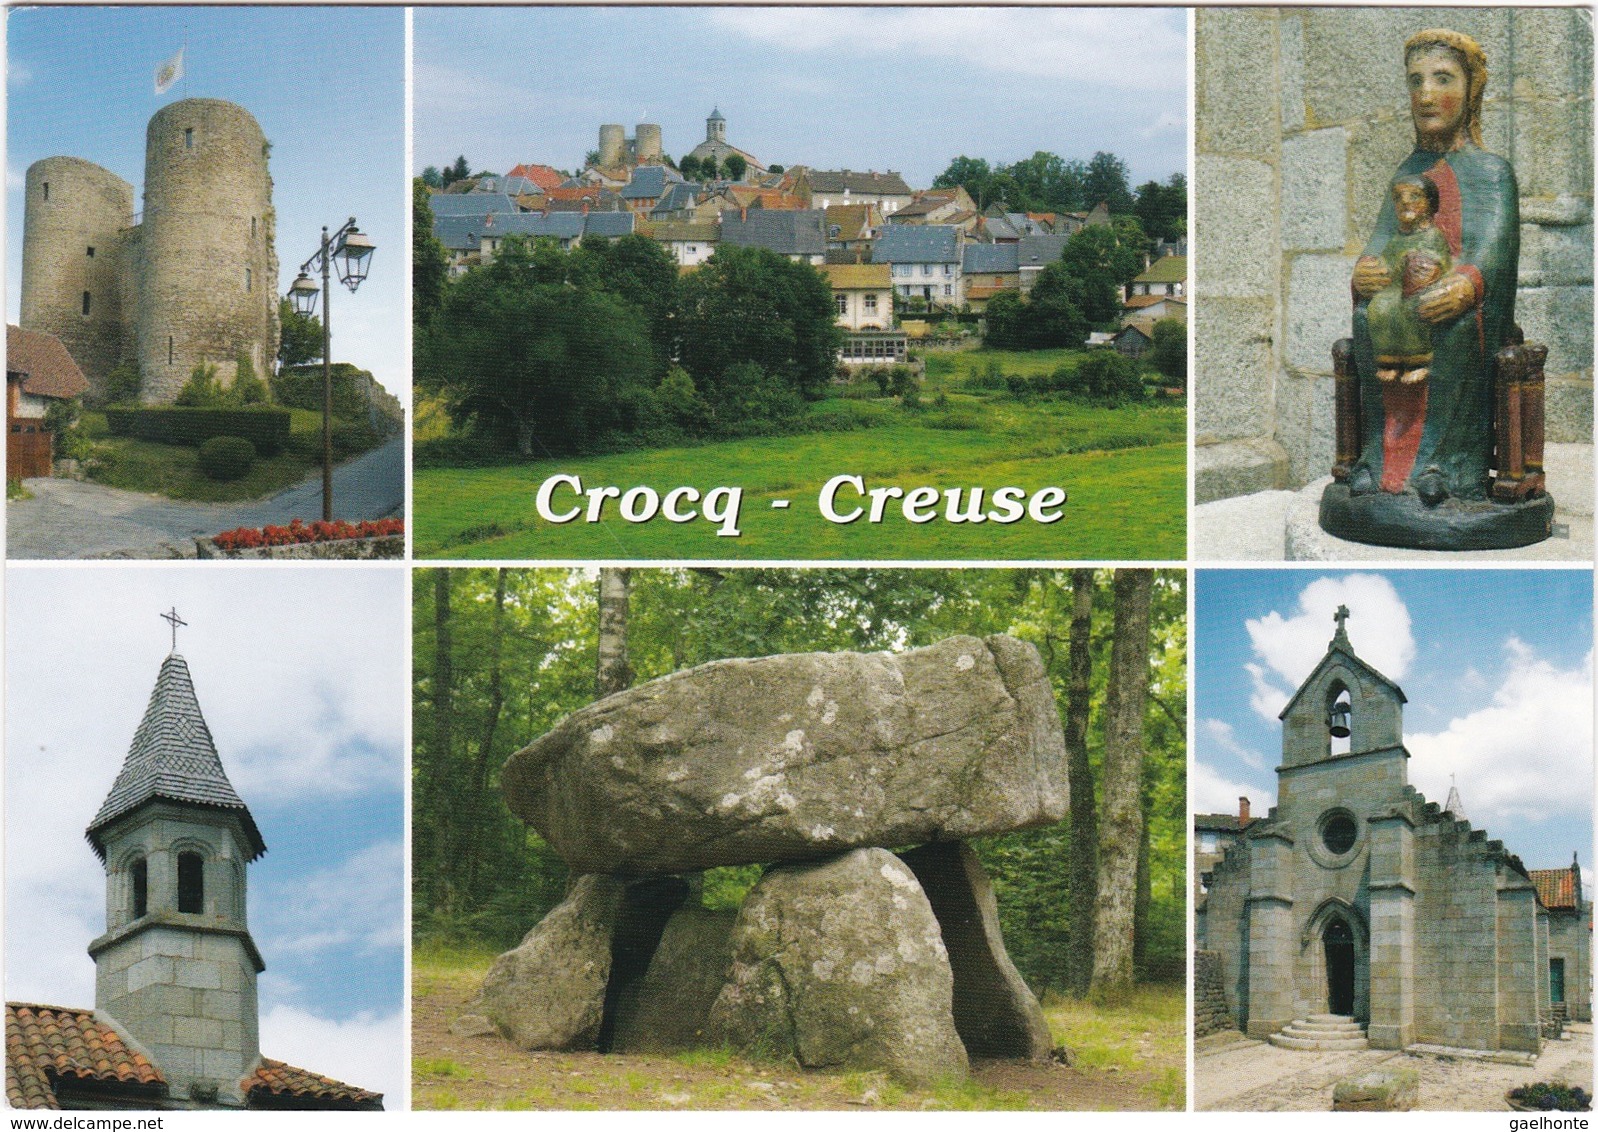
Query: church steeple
x=177, y=966
x=1342, y=698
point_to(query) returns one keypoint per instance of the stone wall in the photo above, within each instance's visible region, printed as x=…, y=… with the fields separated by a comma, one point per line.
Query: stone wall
x=1570, y=939
x=74, y=218
x=208, y=286
x=1210, y=1013
x=1301, y=119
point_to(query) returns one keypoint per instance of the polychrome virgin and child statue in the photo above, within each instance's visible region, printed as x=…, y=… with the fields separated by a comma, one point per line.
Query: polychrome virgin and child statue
x=1423, y=406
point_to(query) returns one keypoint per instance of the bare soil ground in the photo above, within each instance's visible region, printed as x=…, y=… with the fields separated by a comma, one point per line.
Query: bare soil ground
x=1143, y=1071
x=1243, y=1075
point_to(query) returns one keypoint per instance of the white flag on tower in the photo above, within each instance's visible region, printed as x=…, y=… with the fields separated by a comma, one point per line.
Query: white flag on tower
x=169, y=72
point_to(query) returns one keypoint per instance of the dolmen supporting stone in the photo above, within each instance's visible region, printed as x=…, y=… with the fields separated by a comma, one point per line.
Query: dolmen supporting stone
x=815, y=765
x=799, y=756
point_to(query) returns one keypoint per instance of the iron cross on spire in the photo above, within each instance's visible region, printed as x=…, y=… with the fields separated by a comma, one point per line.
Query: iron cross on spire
x=1340, y=616
x=174, y=620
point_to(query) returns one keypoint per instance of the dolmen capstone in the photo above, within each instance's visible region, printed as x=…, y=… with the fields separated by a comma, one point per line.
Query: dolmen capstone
x=816, y=766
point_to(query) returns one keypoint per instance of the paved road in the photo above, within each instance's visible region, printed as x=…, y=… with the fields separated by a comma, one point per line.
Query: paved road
x=1250, y=1076
x=69, y=519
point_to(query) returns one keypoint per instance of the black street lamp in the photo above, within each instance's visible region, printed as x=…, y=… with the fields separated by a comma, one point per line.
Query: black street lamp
x=350, y=250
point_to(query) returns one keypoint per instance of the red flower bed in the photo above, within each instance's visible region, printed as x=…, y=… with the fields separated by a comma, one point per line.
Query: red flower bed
x=298, y=531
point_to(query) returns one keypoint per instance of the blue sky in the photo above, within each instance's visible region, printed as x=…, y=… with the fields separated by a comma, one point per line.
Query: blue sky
x=80, y=82
x=859, y=88
x=1496, y=665
x=302, y=676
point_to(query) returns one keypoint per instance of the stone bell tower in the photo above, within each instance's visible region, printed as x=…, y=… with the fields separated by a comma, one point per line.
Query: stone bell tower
x=177, y=966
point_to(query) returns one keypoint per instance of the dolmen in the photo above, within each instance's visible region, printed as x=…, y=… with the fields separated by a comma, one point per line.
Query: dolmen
x=872, y=938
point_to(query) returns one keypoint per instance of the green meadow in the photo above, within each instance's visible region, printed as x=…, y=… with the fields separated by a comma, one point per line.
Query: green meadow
x=1123, y=471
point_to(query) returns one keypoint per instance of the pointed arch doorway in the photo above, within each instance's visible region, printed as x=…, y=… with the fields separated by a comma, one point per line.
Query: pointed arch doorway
x=1337, y=942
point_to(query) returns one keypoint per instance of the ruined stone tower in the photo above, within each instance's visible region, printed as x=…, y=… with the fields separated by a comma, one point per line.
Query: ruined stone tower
x=643, y=148
x=76, y=217
x=177, y=966
x=195, y=282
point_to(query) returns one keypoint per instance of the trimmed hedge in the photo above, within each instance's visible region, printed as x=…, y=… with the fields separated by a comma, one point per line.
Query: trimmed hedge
x=300, y=387
x=226, y=457
x=267, y=429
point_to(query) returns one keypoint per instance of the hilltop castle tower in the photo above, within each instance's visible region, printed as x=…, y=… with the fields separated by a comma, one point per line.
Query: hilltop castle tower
x=194, y=283
x=643, y=148
x=177, y=967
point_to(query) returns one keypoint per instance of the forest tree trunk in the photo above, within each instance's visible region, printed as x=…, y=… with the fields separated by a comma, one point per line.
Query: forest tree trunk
x=1121, y=832
x=1083, y=875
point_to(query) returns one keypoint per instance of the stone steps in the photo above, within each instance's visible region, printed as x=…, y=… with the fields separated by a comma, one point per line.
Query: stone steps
x=1323, y=1033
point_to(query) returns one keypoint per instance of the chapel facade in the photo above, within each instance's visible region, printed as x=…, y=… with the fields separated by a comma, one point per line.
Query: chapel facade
x=1357, y=898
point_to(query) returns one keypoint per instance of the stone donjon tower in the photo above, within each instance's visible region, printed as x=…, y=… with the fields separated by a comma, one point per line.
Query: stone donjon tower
x=1356, y=897
x=192, y=282
x=177, y=967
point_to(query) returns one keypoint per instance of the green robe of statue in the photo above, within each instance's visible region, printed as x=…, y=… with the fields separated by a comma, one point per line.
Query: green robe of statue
x=1480, y=217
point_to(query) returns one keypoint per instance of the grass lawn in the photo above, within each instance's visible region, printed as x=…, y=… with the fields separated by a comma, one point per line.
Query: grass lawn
x=1128, y=1057
x=173, y=470
x=1124, y=471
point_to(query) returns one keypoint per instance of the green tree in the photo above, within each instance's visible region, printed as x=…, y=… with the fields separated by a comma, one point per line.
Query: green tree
x=1103, y=263
x=1107, y=378
x=736, y=166
x=969, y=173
x=1162, y=209
x=1170, y=348
x=752, y=305
x=689, y=168
x=1106, y=180
x=537, y=365
x=1006, y=321
x=458, y=171
x=432, y=178
x=301, y=338
x=429, y=263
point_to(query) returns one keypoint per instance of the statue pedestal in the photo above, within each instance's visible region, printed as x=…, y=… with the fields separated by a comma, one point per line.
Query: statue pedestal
x=1383, y=519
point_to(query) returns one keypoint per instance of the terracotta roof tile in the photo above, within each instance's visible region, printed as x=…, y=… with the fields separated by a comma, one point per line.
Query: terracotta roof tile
x=47, y=1043
x=541, y=175
x=275, y=1080
x=47, y=369
x=1556, y=888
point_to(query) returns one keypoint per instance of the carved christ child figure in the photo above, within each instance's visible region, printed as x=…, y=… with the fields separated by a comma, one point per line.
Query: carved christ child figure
x=1416, y=256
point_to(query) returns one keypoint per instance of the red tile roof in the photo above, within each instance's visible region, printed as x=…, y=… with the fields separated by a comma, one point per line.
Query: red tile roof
x=543, y=176
x=275, y=1081
x=46, y=367
x=1556, y=888
x=47, y=1043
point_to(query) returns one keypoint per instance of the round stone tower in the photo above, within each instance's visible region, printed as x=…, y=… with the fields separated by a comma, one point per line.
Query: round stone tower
x=75, y=219
x=208, y=286
x=647, y=142
x=612, y=145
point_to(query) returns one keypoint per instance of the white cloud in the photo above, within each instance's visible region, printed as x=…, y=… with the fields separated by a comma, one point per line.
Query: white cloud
x=1527, y=755
x=1089, y=44
x=1222, y=735
x=1166, y=123
x=367, y=1051
x=357, y=903
x=1209, y=792
x=1290, y=647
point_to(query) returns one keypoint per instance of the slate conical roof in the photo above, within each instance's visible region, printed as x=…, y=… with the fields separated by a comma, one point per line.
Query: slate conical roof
x=174, y=759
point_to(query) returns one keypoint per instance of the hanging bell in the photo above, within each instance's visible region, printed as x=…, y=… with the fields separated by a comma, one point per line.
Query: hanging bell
x=1338, y=719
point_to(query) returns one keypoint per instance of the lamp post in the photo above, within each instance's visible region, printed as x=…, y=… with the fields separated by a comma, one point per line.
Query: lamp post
x=350, y=250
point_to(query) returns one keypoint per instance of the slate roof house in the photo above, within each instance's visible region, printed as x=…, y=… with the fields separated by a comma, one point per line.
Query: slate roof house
x=175, y=1023
x=925, y=259
x=1355, y=897
x=799, y=234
